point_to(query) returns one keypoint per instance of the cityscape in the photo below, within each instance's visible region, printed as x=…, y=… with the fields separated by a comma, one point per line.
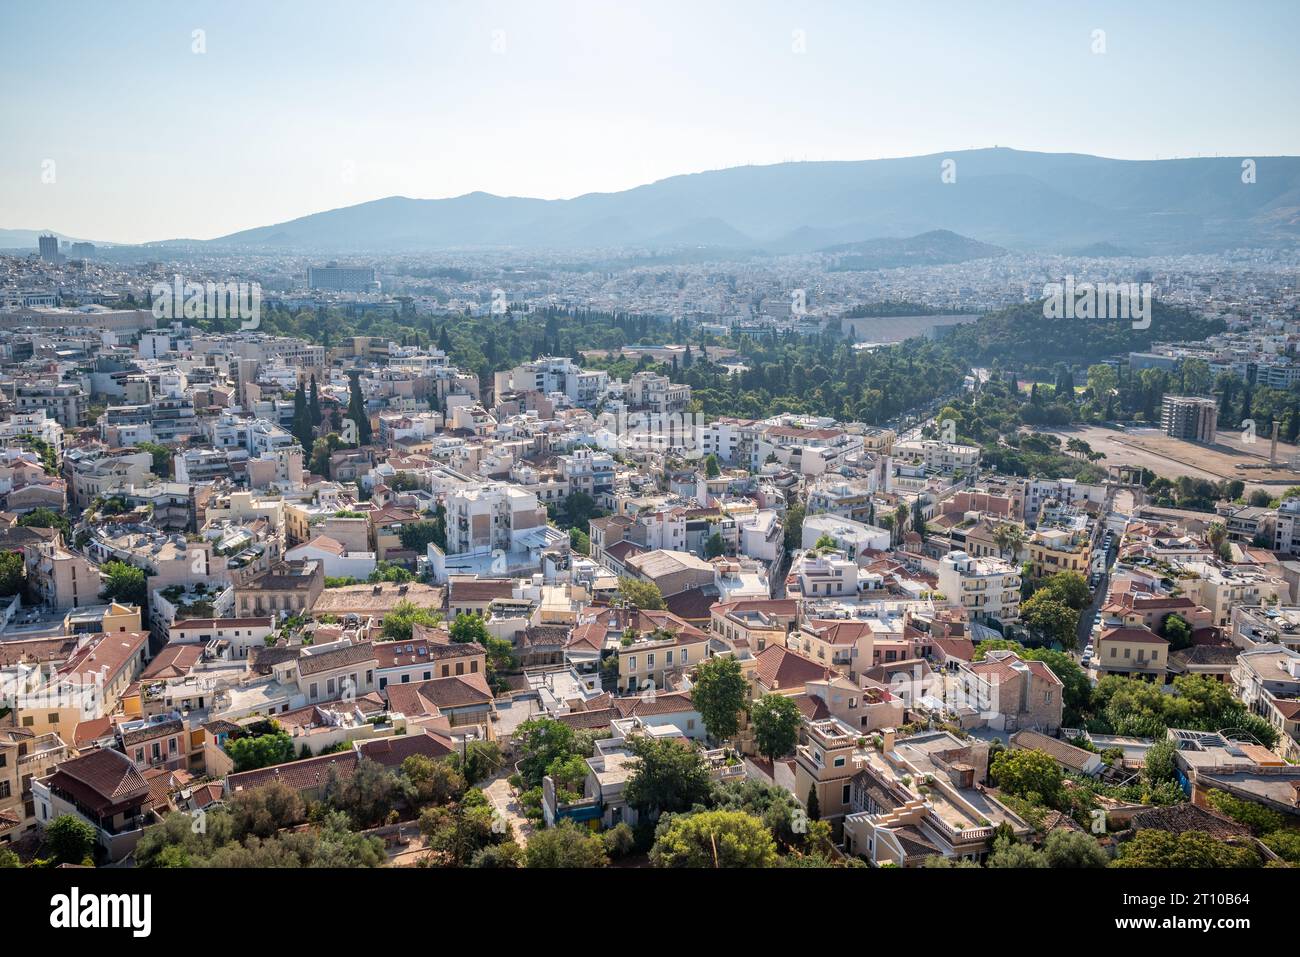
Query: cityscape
x=917, y=509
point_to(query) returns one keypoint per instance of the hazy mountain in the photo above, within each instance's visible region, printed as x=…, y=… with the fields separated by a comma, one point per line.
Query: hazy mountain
x=1040, y=201
x=937, y=247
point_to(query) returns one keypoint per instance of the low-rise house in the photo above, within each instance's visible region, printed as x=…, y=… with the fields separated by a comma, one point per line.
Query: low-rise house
x=404, y=662
x=1010, y=693
x=106, y=790
x=1132, y=651
x=24, y=757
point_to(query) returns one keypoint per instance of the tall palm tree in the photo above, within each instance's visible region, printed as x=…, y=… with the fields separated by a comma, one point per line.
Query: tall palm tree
x=1008, y=537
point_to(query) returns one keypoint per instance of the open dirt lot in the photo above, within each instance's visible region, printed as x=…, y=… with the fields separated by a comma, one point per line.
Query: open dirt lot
x=1150, y=448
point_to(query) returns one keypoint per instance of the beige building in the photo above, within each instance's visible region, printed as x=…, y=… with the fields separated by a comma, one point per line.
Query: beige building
x=290, y=588
x=1136, y=652
x=24, y=756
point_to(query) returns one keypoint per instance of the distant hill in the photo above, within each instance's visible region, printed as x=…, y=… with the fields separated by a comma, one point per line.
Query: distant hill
x=1044, y=202
x=935, y=248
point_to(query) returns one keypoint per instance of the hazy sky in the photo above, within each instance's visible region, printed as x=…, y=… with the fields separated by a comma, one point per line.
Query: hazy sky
x=299, y=107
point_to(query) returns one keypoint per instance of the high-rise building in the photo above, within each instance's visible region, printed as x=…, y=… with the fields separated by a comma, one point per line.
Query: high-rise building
x=1190, y=418
x=336, y=278
x=49, y=246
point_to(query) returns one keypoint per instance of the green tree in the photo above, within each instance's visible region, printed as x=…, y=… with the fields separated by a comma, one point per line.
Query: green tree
x=542, y=741
x=666, y=778
x=776, y=720
x=715, y=546
x=1026, y=773
x=1070, y=588
x=1009, y=538
x=399, y=624
x=46, y=518
x=162, y=458
x=70, y=839
x=1176, y=630
x=1010, y=853
x=1048, y=616
x=467, y=628
x=417, y=535
x=428, y=781
x=260, y=751
x=365, y=795
x=262, y=811
x=457, y=833
x=124, y=584
x=639, y=594
x=13, y=573
x=1160, y=766
x=719, y=693
x=711, y=467
x=713, y=839
x=566, y=845
x=1073, y=849
x=1156, y=848
x=357, y=408
x=301, y=429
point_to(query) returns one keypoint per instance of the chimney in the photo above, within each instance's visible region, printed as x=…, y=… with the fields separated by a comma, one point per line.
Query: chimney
x=887, y=738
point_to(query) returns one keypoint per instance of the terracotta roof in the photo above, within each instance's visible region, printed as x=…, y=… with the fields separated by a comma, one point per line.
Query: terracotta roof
x=433, y=696
x=101, y=780
x=1179, y=818
x=396, y=654
x=479, y=589
x=299, y=775
x=781, y=668
x=309, y=664
x=88, y=732
x=174, y=661
x=391, y=752
x=1142, y=635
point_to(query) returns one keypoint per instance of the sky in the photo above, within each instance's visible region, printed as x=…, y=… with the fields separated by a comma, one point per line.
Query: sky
x=121, y=123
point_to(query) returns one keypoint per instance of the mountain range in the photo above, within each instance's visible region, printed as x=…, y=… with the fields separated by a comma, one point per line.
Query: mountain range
x=1042, y=202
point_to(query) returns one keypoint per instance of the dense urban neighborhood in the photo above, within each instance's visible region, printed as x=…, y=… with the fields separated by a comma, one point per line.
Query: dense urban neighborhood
x=449, y=562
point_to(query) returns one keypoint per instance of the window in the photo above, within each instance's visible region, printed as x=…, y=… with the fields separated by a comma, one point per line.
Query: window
x=4, y=789
x=428, y=675
x=839, y=762
x=315, y=691
x=844, y=795
x=685, y=653
x=631, y=663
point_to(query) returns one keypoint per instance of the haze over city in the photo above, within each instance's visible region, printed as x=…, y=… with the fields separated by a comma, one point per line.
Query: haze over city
x=296, y=108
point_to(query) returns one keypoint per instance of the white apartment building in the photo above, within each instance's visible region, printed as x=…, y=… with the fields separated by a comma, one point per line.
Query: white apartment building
x=945, y=457
x=988, y=588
